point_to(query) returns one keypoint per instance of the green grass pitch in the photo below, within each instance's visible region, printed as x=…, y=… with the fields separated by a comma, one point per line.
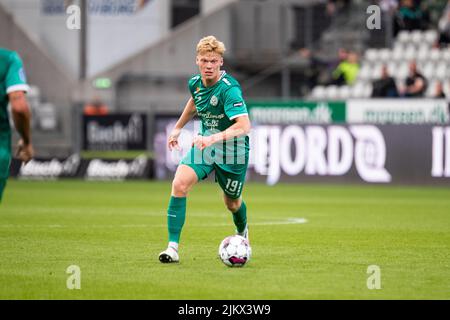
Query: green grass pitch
x=114, y=232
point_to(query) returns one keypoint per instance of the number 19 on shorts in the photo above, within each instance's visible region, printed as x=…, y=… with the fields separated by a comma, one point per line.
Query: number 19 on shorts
x=233, y=187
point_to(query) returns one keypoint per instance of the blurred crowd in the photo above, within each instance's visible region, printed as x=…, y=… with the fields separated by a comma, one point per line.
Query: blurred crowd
x=408, y=15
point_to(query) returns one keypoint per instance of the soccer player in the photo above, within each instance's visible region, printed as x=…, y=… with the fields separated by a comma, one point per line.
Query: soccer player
x=13, y=86
x=222, y=146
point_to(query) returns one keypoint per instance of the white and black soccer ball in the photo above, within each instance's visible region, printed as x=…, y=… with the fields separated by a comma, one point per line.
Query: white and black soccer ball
x=235, y=251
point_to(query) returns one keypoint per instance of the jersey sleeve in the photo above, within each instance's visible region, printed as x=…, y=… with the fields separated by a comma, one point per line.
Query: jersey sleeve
x=15, y=78
x=234, y=103
x=191, y=85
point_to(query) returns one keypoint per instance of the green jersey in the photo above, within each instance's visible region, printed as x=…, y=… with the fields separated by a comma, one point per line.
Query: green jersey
x=218, y=105
x=12, y=78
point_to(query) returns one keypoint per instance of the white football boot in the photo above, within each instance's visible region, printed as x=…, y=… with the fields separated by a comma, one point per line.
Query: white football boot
x=169, y=255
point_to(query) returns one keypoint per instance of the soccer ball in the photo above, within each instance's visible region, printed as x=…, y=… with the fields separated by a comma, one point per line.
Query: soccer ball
x=235, y=251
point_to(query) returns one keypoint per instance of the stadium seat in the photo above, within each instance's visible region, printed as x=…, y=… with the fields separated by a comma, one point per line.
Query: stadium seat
x=441, y=70
x=435, y=54
x=402, y=71
x=417, y=37
x=431, y=37
x=447, y=89
x=398, y=52
x=385, y=54
x=372, y=55
x=365, y=72
x=332, y=92
x=431, y=88
x=428, y=70
x=445, y=55
x=392, y=67
x=357, y=90
x=377, y=71
x=344, y=92
x=319, y=93
x=367, y=92
x=404, y=36
x=423, y=52
x=410, y=52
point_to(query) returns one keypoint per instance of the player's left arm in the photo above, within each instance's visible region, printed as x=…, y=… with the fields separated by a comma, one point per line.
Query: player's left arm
x=241, y=127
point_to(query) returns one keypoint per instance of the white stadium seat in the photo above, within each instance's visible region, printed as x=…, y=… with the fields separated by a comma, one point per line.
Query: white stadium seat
x=423, y=52
x=431, y=89
x=435, y=54
x=367, y=93
x=431, y=37
x=392, y=68
x=385, y=54
x=445, y=55
x=344, y=92
x=332, y=92
x=372, y=55
x=441, y=70
x=398, y=52
x=402, y=72
x=404, y=36
x=319, y=93
x=417, y=37
x=365, y=72
x=410, y=52
x=428, y=70
x=357, y=91
x=377, y=71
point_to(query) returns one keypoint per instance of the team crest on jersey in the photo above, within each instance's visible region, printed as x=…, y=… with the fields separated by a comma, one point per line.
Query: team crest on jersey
x=214, y=101
x=197, y=90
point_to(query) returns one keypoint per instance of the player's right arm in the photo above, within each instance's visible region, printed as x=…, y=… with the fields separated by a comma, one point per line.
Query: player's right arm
x=21, y=116
x=187, y=115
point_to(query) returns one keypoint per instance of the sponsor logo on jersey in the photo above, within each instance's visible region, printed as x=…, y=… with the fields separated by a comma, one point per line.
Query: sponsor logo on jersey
x=239, y=104
x=214, y=101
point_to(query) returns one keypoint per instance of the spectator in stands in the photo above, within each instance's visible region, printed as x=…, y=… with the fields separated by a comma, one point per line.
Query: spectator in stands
x=439, y=91
x=416, y=84
x=96, y=108
x=444, y=27
x=385, y=87
x=409, y=16
x=347, y=71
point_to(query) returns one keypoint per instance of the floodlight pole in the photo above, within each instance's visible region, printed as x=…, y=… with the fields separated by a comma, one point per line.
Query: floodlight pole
x=83, y=39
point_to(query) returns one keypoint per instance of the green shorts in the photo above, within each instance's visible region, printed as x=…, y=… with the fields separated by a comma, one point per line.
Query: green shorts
x=5, y=160
x=231, y=177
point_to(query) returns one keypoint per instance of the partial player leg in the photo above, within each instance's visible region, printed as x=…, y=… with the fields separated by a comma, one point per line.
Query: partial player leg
x=2, y=187
x=184, y=180
x=239, y=211
x=5, y=160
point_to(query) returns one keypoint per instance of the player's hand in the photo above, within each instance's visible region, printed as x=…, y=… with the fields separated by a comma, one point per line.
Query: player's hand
x=172, y=141
x=24, y=152
x=202, y=142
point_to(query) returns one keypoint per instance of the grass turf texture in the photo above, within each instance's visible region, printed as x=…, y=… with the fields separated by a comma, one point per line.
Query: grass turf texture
x=114, y=232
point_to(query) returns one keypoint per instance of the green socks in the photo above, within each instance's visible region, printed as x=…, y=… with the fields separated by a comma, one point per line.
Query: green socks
x=176, y=215
x=240, y=218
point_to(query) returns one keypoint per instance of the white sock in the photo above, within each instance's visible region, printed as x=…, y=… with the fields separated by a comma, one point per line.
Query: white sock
x=173, y=245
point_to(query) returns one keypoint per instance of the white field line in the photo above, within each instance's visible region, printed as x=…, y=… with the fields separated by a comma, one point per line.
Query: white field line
x=99, y=226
